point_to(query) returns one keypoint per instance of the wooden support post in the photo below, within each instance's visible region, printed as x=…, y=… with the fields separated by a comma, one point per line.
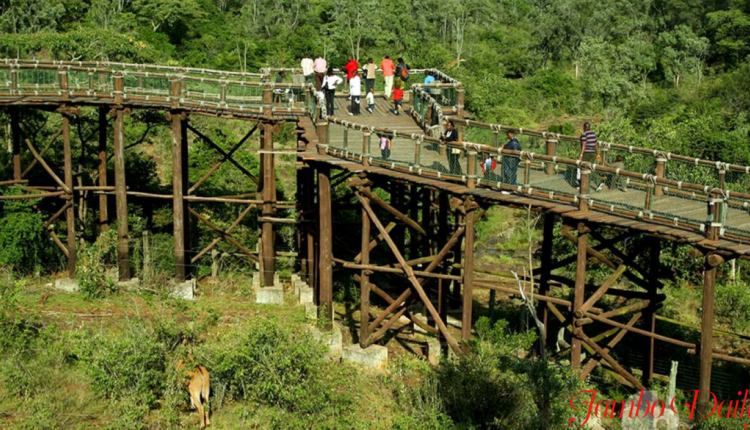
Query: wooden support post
x=426, y=246
x=414, y=237
x=443, y=209
x=397, y=202
x=70, y=211
x=185, y=187
x=325, y=238
x=552, y=152
x=659, y=173
x=579, y=290
x=707, y=317
x=268, y=193
x=457, y=254
x=309, y=204
x=583, y=191
x=364, y=281
x=103, y=209
x=179, y=144
x=121, y=199
x=650, y=312
x=468, y=275
x=548, y=231
x=15, y=130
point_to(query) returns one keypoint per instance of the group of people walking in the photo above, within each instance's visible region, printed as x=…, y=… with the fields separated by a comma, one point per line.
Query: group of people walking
x=395, y=76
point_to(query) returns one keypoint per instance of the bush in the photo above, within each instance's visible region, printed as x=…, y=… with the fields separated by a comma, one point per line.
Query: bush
x=733, y=304
x=130, y=365
x=276, y=365
x=23, y=241
x=91, y=270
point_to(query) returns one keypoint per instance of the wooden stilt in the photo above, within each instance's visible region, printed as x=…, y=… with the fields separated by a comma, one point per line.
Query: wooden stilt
x=426, y=245
x=325, y=238
x=268, y=193
x=457, y=253
x=443, y=209
x=468, y=281
x=548, y=231
x=650, y=312
x=121, y=199
x=15, y=130
x=312, y=267
x=70, y=212
x=103, y=209
x=580, y=286
x=185, y=170
x=414, y=214
x=364, y=281
x=178, y=202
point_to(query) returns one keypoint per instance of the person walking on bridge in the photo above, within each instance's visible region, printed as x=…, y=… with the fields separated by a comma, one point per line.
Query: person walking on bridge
x=510, y=162
x=370, y=72
x=351, y=66
x=330, y=82
x=320, y=67
x=308, y=69
x=590, y=150
x=355, y=92
x=388, y=69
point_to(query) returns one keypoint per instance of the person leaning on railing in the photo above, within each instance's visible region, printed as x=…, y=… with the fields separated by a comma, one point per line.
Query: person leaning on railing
x=308, y=69
x=451, y=135
x=510, y=162
x=590, y=151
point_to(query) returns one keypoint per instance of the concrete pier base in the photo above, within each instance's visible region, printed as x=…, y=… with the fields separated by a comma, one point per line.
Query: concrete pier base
x=305, y=295
x=332, y=339
x=184, y=290
x=373, y=357
x=66, y=284
x=434, y=351
x=270, y=295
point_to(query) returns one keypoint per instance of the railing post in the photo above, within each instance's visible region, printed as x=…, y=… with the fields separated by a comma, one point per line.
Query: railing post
x=471, y=169
x=175, y=91
x=366, y=135
x=346, y=138
x=418, y=152
x=268, y=100
x=63, y=77
x=119, y=87
x=722, y=178
x=659, y=173
x=551, y=143
x=13, y=79
x=460, y=97
x=527, y=172
x=322, y=129
x=583, y=191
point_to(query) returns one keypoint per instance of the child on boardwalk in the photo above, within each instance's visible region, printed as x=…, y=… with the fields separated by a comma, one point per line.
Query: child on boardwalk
x=385, y=146
x=398, y=98
x=371, y=100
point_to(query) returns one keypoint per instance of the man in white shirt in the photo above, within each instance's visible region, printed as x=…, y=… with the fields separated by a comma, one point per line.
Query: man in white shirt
x=355, y=92
x=308, y=69
x=320, y=66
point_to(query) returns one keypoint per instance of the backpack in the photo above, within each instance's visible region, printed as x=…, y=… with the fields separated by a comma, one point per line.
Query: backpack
x=405, y=73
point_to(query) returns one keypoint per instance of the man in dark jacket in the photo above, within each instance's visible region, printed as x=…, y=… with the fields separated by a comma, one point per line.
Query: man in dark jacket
x=510, y=162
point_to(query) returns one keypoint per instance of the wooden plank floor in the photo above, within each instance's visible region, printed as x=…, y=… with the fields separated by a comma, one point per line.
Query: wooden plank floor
x=404, y=152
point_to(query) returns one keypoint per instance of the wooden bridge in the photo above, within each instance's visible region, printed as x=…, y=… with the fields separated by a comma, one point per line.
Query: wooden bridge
x=437, y=192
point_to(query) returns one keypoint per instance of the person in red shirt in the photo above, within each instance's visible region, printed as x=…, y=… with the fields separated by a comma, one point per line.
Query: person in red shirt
x=388, y=69
x=398, y=98
x=351, y=66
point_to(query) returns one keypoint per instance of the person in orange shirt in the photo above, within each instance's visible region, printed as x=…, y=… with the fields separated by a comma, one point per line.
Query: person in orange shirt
x=388, y=70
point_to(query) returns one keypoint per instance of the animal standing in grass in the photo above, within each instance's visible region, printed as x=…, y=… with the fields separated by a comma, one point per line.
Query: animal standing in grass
x=198, y=384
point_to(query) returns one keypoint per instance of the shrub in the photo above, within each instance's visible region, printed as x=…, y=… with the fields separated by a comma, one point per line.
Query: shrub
x=91, y=270
x=23, y=241
x=733, y=304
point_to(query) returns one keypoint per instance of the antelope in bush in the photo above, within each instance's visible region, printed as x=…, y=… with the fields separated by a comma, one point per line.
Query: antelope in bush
x=198, y=384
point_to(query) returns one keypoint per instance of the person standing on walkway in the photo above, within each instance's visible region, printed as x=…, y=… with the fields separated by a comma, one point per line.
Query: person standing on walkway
x=510, y=162
x=308, y=70
x=370, y=72
x=590, y=151
x=371, y=100
x=402, y=70
x=351, y=66
x=355, y=92
x=398, y=98
x=330, y=82
x=320, y=66
x=454, y=154
x=388, y=69
x=428, y=80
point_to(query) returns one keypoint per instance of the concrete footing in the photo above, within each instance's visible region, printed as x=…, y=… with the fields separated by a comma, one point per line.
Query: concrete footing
x=184, y=290
x=434, y=351
x=66, y=284
x=131, y=283
x=311, y=311
x=305, y=295
x=270, y=295
x=333, y=339
x=373, y=357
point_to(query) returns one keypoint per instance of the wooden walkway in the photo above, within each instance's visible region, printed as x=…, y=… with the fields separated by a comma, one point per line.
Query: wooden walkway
x=668, y=206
